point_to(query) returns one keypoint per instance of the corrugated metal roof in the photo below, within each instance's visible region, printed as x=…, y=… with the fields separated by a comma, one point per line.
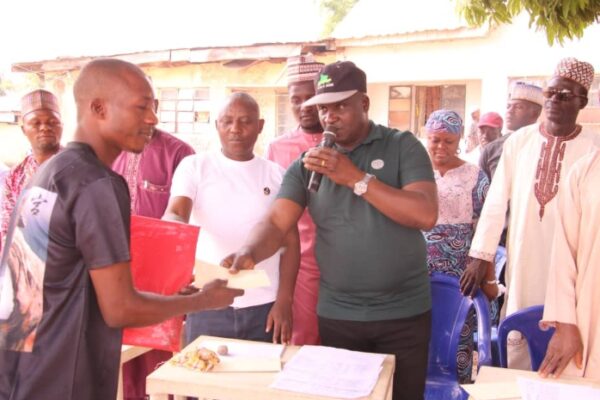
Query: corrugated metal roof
x=77, y=28
x=370, y=18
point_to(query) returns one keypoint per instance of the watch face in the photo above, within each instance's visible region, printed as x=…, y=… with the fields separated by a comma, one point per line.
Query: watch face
x=360, y=188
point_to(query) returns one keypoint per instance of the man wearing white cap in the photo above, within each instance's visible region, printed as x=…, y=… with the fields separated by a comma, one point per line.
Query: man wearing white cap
x=523, y=108
x=41, y=124
x=302, y=71
x=532, y=168
x=572, y=299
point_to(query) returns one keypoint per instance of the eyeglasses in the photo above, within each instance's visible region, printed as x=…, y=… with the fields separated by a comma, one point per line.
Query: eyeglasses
x=561, y=95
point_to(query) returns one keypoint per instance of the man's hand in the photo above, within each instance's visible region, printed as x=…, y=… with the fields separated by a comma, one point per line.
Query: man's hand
x=280, y=320
x=565, y=345
x=333, y=164
x=190, y=288
x=216, y=295
x=187, y=290
x=238, y=261
x=471, y=279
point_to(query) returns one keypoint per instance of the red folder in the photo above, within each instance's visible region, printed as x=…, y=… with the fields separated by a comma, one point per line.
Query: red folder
x=162, y=261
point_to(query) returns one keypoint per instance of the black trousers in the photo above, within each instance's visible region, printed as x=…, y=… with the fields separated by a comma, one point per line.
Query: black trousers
x=406, y=338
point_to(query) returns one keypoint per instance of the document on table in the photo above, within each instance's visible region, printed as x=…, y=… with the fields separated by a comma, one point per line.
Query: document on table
x=493, y=391
x=538, y=389
x=245, y=279
x=327, y=371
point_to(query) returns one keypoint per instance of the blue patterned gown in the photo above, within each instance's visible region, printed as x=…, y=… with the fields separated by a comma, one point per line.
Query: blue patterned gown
x=461, y=193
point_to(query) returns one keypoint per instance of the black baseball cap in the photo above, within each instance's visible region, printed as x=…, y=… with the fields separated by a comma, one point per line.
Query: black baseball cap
x=337, y=82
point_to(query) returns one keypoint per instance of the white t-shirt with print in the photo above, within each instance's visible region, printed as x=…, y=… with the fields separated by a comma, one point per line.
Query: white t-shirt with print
x=229, y=197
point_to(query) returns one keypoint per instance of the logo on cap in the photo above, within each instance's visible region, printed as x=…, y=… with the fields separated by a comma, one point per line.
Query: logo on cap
x=338, y=81
x=324, y=81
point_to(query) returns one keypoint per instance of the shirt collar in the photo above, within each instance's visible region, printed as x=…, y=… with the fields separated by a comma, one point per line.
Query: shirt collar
x=374, y=135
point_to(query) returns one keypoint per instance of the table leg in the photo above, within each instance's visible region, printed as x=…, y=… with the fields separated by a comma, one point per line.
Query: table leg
x=390, y=391
x=120, y=384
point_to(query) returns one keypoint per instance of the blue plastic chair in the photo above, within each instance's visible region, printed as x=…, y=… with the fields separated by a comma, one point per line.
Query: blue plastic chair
x=449, y=312
x=499, y=265
x=526, y=321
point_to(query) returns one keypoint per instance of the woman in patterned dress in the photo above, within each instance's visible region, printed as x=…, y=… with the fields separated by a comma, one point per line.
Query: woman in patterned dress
x=462, y=188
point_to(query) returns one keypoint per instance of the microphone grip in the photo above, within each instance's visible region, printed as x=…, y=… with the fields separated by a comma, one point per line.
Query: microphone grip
x=315, y=181
x=328, y=141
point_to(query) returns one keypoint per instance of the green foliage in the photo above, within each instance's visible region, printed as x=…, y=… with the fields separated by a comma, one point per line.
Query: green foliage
x=560, y=19
x=336, y=10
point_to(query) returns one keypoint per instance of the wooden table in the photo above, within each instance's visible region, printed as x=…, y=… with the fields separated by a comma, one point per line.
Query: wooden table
x=170, y=379
x=501, y=383
x=128, y=353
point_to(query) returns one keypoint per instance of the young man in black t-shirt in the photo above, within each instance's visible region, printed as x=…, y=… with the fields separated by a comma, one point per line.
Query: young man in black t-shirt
x=66, y=258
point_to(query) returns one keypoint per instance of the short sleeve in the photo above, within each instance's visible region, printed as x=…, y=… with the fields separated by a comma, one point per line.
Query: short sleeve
x=183, y=151
x=183, y=183
x=101, y=216
x=294, y=184
x=415, y=164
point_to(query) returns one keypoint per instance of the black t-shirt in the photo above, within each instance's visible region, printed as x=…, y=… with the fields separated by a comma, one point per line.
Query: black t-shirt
x=74, y=216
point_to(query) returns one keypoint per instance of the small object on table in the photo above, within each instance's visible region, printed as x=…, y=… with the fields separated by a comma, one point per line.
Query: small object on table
x=222, y=350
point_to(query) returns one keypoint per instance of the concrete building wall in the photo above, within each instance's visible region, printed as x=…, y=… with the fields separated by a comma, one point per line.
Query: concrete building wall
x=14, y=144
x=484, y=64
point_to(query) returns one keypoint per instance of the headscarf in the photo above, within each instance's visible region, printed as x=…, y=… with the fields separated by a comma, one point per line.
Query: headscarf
x=444, y=121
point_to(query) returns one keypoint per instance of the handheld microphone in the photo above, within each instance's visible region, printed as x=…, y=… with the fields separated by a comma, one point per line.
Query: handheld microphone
x=328, y=141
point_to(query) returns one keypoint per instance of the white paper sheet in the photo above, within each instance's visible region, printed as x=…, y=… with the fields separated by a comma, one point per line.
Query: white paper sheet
x=246, y=279
x=538, y=389
x=493, y=391
x=327, y=371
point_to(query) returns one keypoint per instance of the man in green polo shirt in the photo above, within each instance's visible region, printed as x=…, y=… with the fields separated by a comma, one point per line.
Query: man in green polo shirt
x=377, y=193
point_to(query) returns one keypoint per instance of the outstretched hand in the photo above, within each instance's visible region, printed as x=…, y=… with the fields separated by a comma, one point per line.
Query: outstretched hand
x=238, y=261
x=216, y=295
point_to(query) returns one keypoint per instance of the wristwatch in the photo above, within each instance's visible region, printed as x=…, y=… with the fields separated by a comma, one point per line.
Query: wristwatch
x=360, y=187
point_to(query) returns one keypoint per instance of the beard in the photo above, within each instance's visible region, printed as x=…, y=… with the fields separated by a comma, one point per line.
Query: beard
x=311, y=126
x=49, y=147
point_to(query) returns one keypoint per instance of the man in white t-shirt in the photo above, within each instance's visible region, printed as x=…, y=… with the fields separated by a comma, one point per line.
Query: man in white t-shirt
x=226, y=193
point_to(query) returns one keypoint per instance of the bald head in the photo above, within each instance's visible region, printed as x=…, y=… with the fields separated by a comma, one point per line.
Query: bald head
x=103, y=77
x=115, y=107
x=241, y=98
